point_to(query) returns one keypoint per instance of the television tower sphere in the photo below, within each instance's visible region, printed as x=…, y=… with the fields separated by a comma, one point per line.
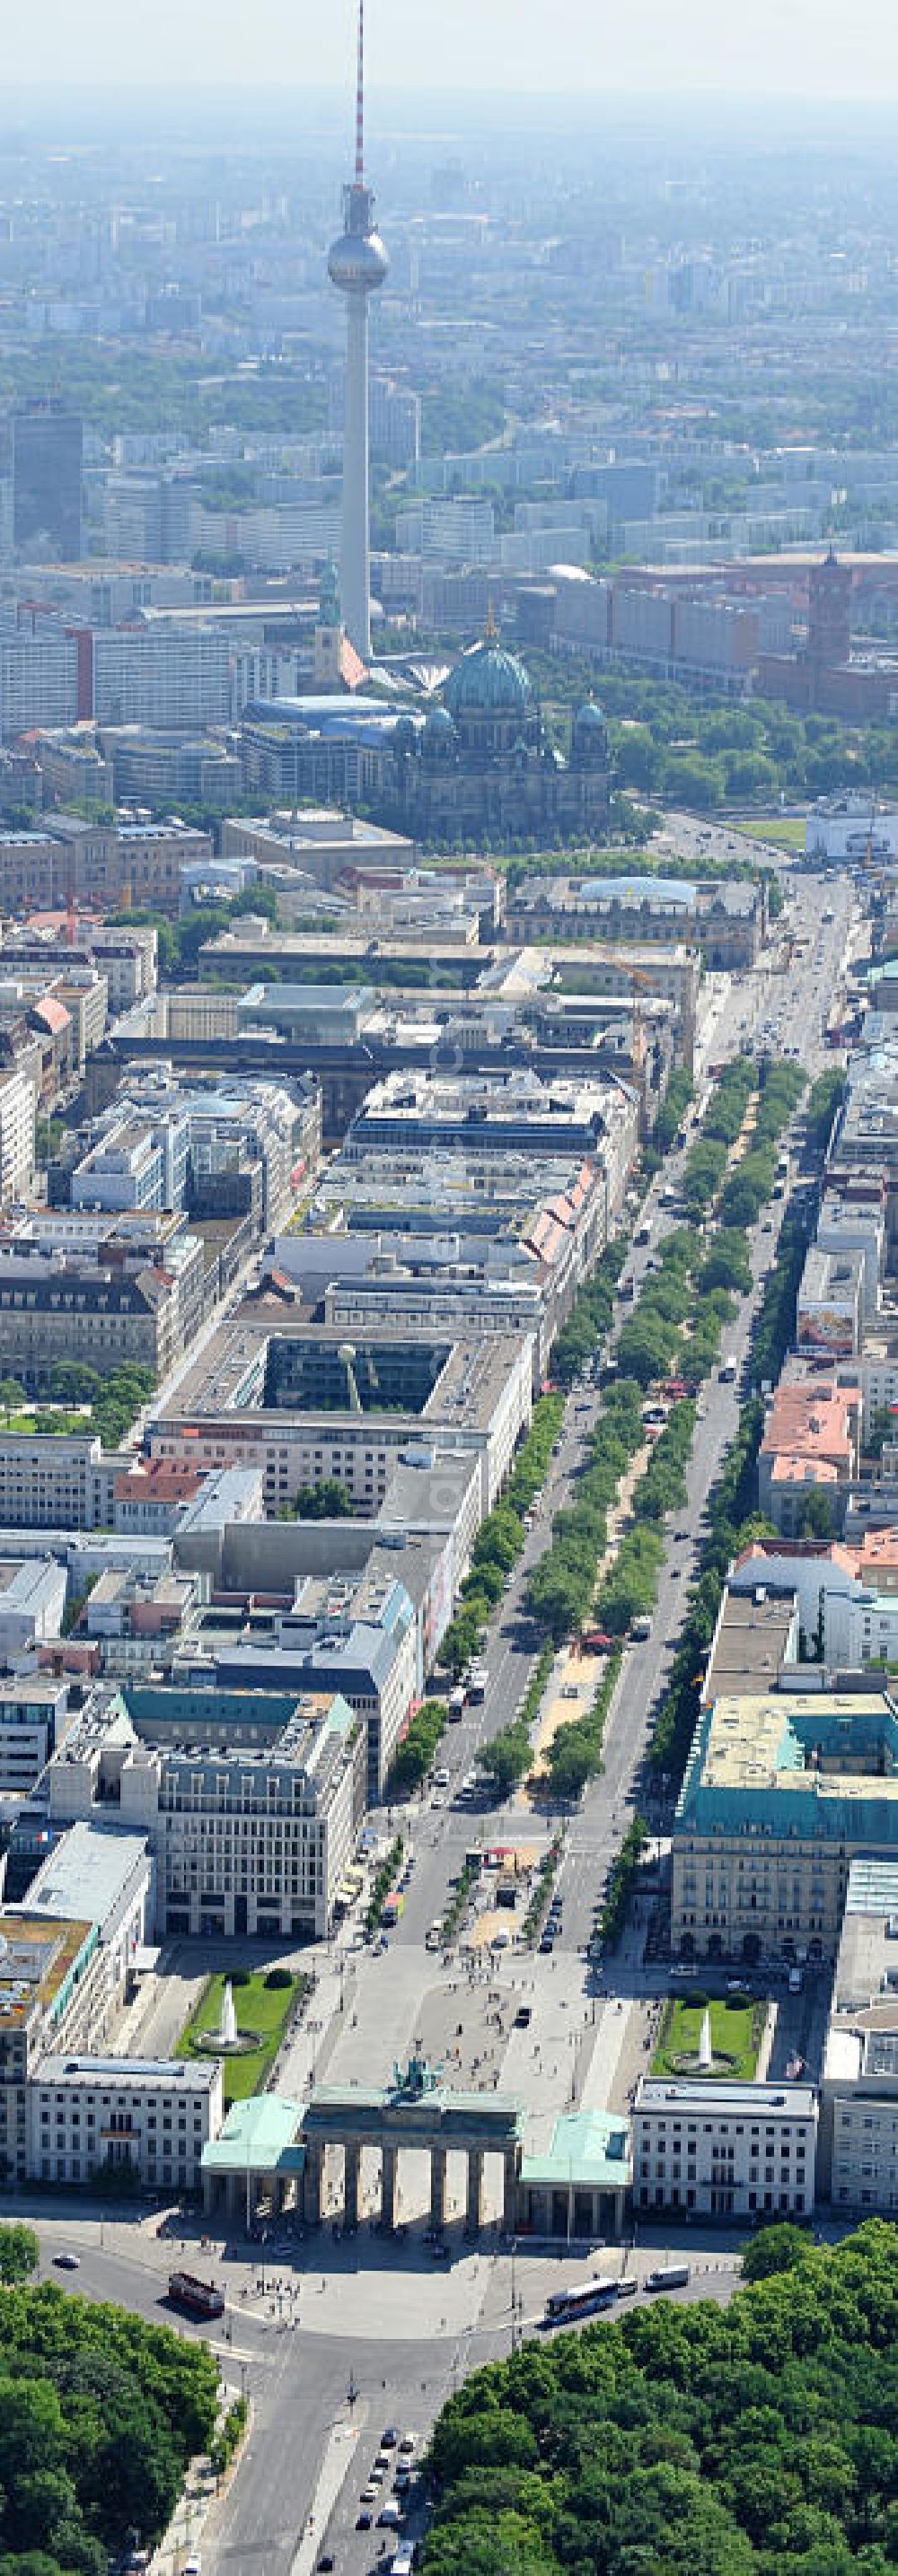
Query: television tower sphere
x=357, y=263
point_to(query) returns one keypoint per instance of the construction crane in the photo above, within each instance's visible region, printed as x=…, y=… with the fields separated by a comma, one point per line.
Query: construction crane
x=640, y=984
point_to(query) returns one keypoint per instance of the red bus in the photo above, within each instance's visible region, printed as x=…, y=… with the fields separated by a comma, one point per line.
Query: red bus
x=200, y=2298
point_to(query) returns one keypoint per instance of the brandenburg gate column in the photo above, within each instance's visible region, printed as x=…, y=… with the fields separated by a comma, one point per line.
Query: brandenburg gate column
x=438, y=2189
x=388, y=2164
x=312, y=2182
x=352, y=2172
x=510, y=2190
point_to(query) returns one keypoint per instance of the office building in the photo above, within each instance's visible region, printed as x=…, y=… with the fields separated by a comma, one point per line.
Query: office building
x=149, y=2118
x=46, y=445
x=17, y=1122
x=34, y=1715
x=32, y=1603
x=105, y=1308
x=724, y=2150
x=273, y=1391
x=858, y=2150
x=250, y=1801
x=39, y=681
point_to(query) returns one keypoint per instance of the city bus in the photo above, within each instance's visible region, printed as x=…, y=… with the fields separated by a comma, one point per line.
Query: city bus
x=563, y=2307
x=199, y=2298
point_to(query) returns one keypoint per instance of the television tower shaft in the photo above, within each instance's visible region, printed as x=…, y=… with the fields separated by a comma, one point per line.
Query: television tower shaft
x=357, y=264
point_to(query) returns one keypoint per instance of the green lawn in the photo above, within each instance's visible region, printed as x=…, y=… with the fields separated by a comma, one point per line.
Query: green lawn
x=787, y=829
x=265, y=2009
x=736, y=2027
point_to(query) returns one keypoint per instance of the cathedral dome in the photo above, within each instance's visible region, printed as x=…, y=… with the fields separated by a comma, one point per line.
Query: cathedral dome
x=589, y=717
x=488, y=682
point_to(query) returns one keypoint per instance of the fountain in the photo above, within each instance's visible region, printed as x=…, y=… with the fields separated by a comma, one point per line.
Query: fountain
x=705, y=2050
x=226, y=2038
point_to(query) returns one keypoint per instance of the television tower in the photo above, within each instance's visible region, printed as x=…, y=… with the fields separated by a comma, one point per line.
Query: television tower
x=357, y=263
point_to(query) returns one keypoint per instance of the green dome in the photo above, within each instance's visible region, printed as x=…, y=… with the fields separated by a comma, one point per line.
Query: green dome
x=589, y=715
x=488, y=681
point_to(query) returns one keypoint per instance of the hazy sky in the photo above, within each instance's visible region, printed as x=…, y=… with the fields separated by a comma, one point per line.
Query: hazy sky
x=811, y=48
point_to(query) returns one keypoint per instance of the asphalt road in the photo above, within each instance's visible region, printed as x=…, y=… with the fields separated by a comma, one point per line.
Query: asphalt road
x=385, y=2317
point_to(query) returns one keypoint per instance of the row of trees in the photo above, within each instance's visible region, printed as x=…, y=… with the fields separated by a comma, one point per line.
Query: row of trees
x=590, y=1316
x=413, y=1757
x=621, y=1876
x=507, y=1756
x=731, y=1522
x=561, y=1586
x=677, y=1098
x=757, y=2439
x=500, y=1538
x=824, y=1098
x=575, y=1753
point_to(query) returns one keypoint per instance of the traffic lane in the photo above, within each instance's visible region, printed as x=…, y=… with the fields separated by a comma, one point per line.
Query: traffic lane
x=275, y=2492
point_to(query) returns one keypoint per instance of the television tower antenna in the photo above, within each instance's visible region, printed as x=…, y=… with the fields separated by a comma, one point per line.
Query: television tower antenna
x=360, y=99
x=357, y=264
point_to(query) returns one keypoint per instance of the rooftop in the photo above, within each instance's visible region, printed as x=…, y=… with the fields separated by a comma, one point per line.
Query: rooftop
x=193, y=2075
x=37, y=1956
x=754, y=1633
x=659, y=2093
x=819, y=1420
x=820, y=1763
x=88, y=1871
x=260, y=2136
x=587, y=2148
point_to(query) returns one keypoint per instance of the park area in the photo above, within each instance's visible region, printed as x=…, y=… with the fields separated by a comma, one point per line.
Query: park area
x=788, y=829
x=264, y=2001
x=737, y=2027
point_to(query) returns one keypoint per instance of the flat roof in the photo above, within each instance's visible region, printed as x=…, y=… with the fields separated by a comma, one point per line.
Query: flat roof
x=260, y=2135
x=751, y=1642
x=587, y=2148
x=806, y=1763
x=194, y=2074
x=37, y=1955
x=88, y=1871
x=704, y=2093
